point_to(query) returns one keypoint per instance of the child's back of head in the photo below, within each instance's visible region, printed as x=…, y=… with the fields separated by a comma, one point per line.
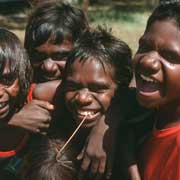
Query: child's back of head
x=42, y=162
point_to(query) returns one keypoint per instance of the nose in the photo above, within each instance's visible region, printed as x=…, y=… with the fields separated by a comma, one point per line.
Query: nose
x=83, y=97
x=49, y=66
x=150, y=63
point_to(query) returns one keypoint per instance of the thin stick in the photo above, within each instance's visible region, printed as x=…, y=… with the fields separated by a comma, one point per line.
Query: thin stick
x=70, y=138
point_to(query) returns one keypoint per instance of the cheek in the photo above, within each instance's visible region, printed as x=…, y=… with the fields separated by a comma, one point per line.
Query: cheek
x=14, y=89
x=106, y=99
x=61, y=64
x=69, y=96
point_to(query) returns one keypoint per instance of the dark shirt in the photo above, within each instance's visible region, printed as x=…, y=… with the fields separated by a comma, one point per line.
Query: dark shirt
x=135, y=124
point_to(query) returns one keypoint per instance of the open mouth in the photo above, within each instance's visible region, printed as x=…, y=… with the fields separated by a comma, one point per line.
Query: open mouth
x=91, y=116
x=50, y=78
x=147, y=84
x=3, y=104
x=4, y=109
x=89, y=113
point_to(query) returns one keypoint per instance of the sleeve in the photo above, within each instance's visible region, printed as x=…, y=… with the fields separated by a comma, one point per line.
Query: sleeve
x=30, y=93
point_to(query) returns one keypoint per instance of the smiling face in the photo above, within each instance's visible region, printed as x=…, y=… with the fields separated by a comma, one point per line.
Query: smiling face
x=9, y=89
x=157, y=65
x=48, y=60
x=89, y=89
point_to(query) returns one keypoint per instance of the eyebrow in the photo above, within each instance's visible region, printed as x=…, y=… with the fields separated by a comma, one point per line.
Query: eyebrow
x=100, y=84
x=60, y=53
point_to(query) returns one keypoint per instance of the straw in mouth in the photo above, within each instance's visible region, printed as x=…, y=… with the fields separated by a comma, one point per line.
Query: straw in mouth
x=70, y=138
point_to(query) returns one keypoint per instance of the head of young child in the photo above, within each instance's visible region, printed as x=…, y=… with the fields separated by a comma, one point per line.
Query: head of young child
x=98, y=65
x=50, y=34
x=42, y=163
x=157, y=61
x=15, y=74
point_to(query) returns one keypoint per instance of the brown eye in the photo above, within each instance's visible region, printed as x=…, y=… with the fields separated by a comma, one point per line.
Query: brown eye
x=7, y=79
x=170, y=57
x=60, y=56
x=71, y=86
x=37, y=57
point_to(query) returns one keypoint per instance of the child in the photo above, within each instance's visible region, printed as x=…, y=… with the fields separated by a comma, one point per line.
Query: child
x=50, y=33
x=44, y=163
x=157, y=77
x=98, y=65
x=15, y=78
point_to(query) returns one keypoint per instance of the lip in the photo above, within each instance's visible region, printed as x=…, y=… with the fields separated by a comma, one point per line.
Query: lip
x=4, y=110
x=147, y=85
x=90, y=119
x=3, y=104
x=51, y=78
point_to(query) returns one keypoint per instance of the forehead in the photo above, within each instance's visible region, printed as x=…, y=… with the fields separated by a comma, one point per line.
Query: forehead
x=50, y=47
x=90, y=69
x=164, y=33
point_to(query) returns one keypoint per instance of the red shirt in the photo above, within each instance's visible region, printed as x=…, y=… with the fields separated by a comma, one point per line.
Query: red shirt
x=160, y=158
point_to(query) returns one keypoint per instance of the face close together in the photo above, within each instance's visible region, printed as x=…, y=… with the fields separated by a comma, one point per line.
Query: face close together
x=49, y=60
x=9, y=90
x=157, y=65
x=89, y=90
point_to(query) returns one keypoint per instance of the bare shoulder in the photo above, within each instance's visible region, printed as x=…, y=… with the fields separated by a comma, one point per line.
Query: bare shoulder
x=46, y=91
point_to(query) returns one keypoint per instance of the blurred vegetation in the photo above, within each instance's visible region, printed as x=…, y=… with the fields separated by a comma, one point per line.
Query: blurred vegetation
x=127, y=18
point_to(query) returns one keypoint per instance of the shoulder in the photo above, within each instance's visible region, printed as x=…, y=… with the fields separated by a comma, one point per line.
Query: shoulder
x=46, y=91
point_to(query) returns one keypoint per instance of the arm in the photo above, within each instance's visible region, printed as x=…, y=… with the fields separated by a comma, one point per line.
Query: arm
x=46, y=91
x=93, y=154
x=35, y=116
x=97, y=153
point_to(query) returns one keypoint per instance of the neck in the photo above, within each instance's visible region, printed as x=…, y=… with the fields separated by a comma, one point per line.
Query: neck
x=168, y=116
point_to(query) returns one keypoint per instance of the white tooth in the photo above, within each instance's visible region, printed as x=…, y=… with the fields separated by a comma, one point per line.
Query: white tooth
x=146, y=78
x=1, y=105
x=83, y=113
x=86, y=113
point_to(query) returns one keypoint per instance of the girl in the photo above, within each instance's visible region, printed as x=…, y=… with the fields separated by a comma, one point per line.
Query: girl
x=15, y=78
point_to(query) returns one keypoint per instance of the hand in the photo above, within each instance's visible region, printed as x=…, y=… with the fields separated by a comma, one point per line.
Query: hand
x=134, y=172
x=94, y=154
x=35, y=116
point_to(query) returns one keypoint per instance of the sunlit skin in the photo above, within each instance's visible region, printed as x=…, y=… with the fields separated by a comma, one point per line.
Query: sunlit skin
x=49, y=60
x=157, y=66
x=9, y=90
x=89, y=89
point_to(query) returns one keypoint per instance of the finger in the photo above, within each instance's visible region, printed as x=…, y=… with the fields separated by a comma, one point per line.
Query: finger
x=102, y=166
x=44, y=104
x=94, y=166
x=85, y=163
x=108, y=169
x=81, y=154
x=47, y=119
x=44, y=125
x=43, y=133
x=36, y=130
